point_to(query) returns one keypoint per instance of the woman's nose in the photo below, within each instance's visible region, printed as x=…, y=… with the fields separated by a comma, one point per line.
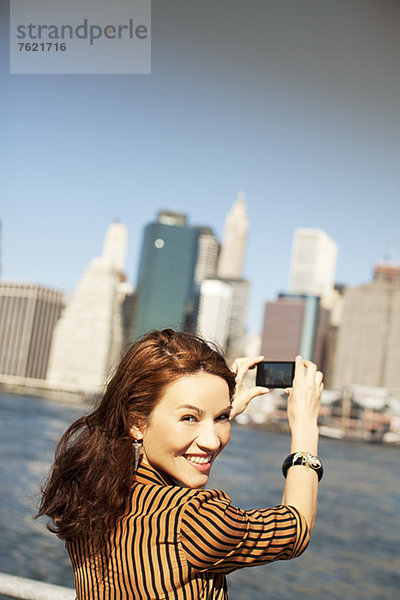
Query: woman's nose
x=208, y=439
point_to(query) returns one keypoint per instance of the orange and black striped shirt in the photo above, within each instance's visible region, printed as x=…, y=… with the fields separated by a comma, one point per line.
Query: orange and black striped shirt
x=180, y=543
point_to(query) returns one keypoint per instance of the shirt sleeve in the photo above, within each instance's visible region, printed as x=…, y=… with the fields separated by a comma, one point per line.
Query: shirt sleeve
x=218, y=537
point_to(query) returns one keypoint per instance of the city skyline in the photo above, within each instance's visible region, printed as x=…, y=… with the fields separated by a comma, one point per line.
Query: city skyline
x=251, y=320
x=300, y=111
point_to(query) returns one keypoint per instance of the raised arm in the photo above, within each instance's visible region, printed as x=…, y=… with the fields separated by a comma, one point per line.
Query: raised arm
x=304, y=398
x=301, y=488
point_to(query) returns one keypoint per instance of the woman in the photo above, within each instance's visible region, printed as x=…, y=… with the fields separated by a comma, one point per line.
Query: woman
x=127, y=493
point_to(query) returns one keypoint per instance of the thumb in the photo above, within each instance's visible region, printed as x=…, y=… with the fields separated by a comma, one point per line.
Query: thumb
x=257, y=391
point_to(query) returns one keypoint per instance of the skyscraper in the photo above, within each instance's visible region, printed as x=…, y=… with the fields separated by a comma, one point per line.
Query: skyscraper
x=215, y=311
x=222, y=313
x=165, y=293
x=368, y=347
x=237, y=324
x=313, y=263
x=230, y=269
x=207, y=254
x=28, y=314
x=114, y=247
x=88, y=337
x=214, y=296
x=233, y=248
x=295, y=324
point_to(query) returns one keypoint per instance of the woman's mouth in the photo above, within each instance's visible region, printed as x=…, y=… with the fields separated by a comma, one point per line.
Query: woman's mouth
x=202, y=462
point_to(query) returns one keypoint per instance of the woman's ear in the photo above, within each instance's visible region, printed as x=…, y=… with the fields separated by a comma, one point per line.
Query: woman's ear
x=136, y=432
x=137, y=426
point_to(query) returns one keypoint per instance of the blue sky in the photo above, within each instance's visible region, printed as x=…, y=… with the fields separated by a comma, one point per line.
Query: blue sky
x=296, y=102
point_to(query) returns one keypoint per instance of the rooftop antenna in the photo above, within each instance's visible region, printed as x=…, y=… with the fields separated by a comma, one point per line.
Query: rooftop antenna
x=391, y=255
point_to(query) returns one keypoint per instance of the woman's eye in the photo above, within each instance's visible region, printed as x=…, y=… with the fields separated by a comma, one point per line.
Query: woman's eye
x=189, y=419
x=224, y=417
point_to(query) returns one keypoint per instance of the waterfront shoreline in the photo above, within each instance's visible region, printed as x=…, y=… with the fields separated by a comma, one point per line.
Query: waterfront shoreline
x=77, y=398
x=283, y=429
x=47, y=393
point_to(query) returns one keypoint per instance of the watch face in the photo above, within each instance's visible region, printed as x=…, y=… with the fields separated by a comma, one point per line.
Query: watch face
x=304, y=458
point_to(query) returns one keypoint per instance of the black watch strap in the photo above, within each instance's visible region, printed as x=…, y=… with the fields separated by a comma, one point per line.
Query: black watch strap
x=304, y=459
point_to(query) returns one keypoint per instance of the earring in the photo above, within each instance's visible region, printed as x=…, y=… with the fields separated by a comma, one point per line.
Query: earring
x=137, y=447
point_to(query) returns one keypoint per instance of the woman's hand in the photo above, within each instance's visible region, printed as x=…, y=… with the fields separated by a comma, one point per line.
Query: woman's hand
x=242, y=396
x=303, y=405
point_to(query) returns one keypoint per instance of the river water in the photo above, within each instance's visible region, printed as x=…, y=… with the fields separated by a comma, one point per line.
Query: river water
x=354, y=551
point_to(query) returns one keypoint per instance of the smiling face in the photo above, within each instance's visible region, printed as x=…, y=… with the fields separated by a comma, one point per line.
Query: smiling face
x=188, y=428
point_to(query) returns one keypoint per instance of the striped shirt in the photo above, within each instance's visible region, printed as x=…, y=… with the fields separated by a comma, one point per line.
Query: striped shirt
x=180, y=543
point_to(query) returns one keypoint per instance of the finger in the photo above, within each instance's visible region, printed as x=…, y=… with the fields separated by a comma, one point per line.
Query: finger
x=299, y=366
x=318, y=377
x=258, y=391
x=249, y=361
x=245, y=363
x=310, y=364
x=311, y=369
x=252, y=393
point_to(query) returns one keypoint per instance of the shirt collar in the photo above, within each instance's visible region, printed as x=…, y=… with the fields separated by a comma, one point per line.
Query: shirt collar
x=147, y=474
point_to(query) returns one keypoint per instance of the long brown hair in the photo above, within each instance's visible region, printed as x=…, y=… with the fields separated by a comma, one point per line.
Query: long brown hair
x=92, y=476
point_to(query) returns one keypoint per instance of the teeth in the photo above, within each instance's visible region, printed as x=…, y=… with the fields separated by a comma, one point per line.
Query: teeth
x=201, y=460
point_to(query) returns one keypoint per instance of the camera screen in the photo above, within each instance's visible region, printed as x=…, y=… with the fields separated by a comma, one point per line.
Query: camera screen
x=272, y=374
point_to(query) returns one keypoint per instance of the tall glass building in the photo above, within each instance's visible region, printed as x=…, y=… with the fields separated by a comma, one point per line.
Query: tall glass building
x=166, y=271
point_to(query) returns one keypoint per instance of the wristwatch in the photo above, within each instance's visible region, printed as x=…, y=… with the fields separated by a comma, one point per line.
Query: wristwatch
x=304, y=459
